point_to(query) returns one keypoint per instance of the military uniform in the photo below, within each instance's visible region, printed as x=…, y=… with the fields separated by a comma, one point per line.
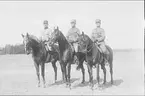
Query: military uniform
x=98, y=36
x=45, y=36
x=73, y=35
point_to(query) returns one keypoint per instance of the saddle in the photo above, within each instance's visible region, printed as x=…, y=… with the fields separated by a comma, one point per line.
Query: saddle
x=52, y=48
x=98, y=46
x=104, y=54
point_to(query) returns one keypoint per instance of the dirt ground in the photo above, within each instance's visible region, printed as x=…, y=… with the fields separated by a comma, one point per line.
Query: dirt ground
x=18, y=77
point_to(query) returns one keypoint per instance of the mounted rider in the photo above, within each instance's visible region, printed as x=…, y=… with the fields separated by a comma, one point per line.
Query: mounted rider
x=46, y=35
x=98, y=36
x=73, y=36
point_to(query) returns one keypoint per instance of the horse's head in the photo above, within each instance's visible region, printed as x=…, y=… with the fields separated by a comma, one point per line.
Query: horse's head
x=82, y=40
x=26, y=42
x=55, y=35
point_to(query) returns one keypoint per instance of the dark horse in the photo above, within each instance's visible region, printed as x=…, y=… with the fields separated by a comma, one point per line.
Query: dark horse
x=40, y=55
x=95, y=58
x=66, y=55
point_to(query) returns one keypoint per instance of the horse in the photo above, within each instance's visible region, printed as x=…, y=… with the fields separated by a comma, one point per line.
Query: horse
x=95, y=58
x=67, y=54
x=40, y=55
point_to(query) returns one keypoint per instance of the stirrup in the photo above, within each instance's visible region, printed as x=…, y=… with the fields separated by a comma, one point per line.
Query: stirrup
x=106, y=61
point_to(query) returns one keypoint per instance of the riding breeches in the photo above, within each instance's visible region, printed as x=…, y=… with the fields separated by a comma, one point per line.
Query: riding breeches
x=75, y=45
x=103, y=48
x=47, y=46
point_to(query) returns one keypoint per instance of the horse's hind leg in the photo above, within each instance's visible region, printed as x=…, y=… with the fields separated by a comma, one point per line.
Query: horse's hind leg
x=37, y=72
x=104, y=71
x=55, y=70
x=111, y=72
x=43, y=73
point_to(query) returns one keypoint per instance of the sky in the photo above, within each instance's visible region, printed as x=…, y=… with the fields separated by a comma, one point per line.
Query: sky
x=123, y=21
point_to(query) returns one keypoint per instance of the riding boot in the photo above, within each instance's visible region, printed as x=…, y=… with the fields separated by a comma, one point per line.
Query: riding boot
x=105, y=59
x=46, y=47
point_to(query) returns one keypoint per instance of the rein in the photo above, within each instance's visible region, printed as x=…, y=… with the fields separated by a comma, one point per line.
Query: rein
x=90, y=48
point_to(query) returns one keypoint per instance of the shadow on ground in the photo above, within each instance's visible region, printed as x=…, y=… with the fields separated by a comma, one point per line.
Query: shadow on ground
x=62, y=82
x=116, y=82
x=85, y=83
x=100, y=86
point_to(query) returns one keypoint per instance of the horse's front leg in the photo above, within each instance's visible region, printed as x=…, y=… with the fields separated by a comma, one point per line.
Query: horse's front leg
x=83, y=72
x=90, y=74
x=62, y=70
x=104, y=71
x=68, y=74
x=43, y=73
x=37, y=72
x=55, y=69
x=65, y=72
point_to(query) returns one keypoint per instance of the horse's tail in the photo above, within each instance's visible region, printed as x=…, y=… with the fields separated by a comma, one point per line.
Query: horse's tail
x=110, y=60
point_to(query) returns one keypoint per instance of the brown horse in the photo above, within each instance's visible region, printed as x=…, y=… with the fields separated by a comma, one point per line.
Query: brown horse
x=66, y=54
x=95, y=58
x=40, y=55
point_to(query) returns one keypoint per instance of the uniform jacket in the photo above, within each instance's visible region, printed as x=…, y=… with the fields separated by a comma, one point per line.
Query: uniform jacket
x=98, y=34
x=73, y=34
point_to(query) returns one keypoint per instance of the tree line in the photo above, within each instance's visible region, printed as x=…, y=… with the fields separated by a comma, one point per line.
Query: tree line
x=12, y=49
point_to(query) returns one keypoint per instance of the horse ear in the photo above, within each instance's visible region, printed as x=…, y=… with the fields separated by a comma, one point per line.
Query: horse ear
x=27, y=35
x=57, y=28
x=83, y=33
x=22, y=35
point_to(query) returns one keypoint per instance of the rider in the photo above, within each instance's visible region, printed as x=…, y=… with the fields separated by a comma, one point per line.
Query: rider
x=98, y=36
x=46, y=35
x=73, y=35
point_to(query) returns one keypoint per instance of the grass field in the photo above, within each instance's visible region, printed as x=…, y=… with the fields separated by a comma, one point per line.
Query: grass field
x=18, y=77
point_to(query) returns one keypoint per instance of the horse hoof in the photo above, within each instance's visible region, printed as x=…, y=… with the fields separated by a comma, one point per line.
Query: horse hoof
x=38, y=85
x=66, y=83
x=92, y=88
x=98, y=83
x=104, y=83
x=82, y=82
x=44, y=86
x=69, y=86
x=112, y=82
x=66, y=86
x=89, y=84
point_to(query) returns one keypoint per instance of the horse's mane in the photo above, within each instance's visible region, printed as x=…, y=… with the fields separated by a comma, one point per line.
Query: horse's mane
x=63, y=37
x=88, y=41
x=88, y=38
x=34, y=38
